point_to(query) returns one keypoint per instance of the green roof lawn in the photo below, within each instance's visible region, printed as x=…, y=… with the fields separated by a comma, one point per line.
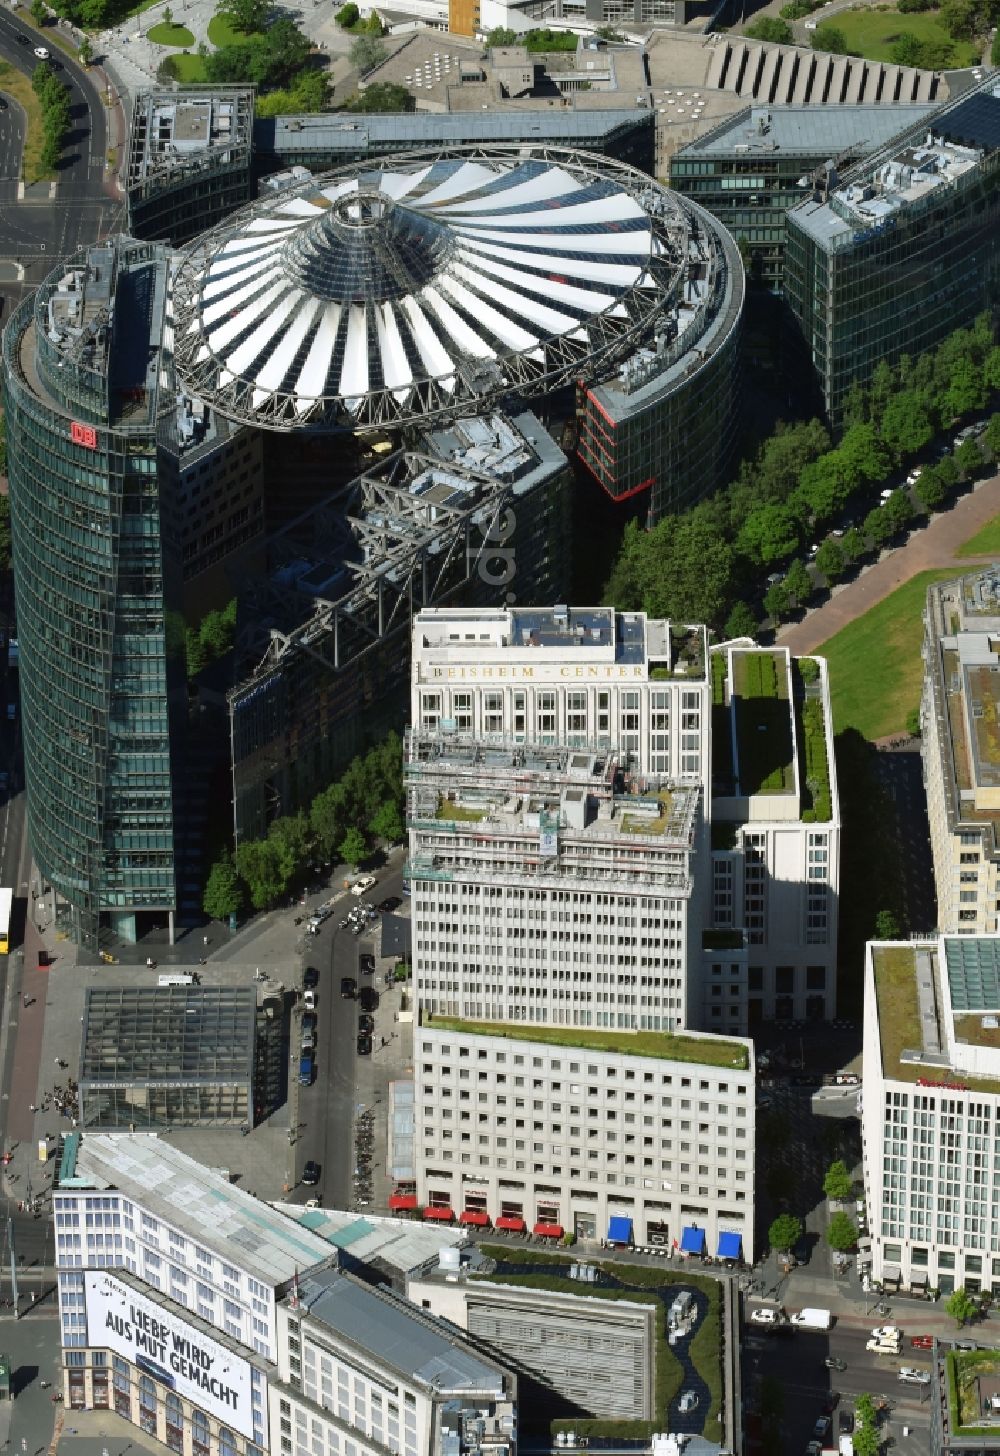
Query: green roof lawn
x=899, y=1023
x=763, y=723
x=664, y=1045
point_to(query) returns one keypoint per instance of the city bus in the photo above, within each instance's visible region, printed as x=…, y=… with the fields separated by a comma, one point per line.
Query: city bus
x=6, y=897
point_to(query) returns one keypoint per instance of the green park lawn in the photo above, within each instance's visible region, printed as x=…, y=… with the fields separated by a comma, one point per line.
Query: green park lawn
x=190, y=69
x=875, y=665
x=221, y=32
x=171, y=35
x=871, y=33
x=985, y=542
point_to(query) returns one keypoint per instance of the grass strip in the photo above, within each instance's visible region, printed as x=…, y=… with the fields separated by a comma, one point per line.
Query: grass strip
x=986, y=542
x=16, y=84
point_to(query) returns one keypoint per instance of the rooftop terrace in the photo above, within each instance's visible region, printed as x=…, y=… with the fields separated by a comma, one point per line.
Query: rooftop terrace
x=707, y=1050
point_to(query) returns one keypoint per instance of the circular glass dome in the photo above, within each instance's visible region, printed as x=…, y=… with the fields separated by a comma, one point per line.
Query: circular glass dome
x=424, y=286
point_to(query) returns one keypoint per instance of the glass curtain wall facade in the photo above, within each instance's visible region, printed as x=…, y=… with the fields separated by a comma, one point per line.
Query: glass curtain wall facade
x=870, y=294
x=82, y=389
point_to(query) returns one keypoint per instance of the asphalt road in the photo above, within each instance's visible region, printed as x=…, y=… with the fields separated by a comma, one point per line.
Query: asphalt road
x=40, y=229
x=794, y=1361
x=329, y=1107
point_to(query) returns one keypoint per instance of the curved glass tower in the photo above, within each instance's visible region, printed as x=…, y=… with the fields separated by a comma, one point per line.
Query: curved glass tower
x=86, y=382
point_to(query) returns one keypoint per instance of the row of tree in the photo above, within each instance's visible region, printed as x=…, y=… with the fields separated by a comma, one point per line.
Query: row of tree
x=53, y=98
x=706, y=563
x=363, y=808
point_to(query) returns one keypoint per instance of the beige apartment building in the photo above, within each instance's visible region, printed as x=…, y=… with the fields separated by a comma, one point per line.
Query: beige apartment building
x=961, y=749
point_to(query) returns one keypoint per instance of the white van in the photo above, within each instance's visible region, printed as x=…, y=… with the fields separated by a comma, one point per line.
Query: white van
x=175, y=978
x=909, y=1375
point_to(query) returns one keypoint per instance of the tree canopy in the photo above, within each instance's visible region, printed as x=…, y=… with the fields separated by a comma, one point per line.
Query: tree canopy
x=841, y=1232
x=838, y=1182
x=383, y=96
x=961, y=1307
x=785, y=1232
x=346, y=820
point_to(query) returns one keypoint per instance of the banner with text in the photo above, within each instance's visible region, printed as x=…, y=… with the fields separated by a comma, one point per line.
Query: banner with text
x=168, y=1349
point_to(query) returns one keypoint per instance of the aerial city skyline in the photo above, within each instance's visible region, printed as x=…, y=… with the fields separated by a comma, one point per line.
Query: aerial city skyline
x=498, y=924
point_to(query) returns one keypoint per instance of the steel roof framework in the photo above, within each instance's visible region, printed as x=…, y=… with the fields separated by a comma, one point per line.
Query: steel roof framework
x=402, y=551
x=599, y=340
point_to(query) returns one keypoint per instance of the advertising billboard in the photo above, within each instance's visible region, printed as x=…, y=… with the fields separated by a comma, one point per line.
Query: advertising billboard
x=168, y=1349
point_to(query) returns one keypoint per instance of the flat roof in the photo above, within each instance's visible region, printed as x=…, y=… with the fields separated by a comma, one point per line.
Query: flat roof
x=817, y=131
x=210, y=1210
x=332, y=132
x=157, y=1035
x=707, y=1050
x=395, y=1332
x=911, y=168
x=919, y=1030
x=397, y=1243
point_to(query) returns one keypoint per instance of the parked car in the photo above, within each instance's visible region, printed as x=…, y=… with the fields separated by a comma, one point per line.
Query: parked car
x=309, y=1000
x=366, y=965
x=392, y=902
x=366, y=1022
x=921, y=1342
x=689, y=1400
x=764, y=1317
x=309, y=1040
x=309, y=1021
x=845, y=1421
x=310, y=977
x=310, y=1174
x=348, y=987
x=364, y=1045
x=910, y=1375
x=368, y=998
x=820, y=1428
x=363, y=885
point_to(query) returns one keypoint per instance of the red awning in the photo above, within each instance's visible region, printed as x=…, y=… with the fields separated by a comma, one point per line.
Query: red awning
x=548, y=1230
x=476, y=1217
x=440, y=1212
x=512, y=1225
x=402, y=1200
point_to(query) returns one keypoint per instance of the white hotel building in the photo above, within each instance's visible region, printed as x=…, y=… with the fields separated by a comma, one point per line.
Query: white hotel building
x=931, y=1112
x=224, y=1327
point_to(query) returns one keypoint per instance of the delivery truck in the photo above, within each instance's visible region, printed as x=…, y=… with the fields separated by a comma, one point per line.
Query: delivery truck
x=812, y=1319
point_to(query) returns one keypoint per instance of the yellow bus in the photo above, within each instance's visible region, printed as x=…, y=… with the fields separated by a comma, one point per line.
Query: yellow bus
x=6, y=897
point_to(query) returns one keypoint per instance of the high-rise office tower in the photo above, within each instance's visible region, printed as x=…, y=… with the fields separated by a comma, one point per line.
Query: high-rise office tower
x=87, y=390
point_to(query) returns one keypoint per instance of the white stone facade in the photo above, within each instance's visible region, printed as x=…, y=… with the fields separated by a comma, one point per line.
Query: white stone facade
x=569, y=1135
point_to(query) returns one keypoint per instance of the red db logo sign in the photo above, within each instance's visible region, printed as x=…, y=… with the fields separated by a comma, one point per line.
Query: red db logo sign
x=84, y=435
